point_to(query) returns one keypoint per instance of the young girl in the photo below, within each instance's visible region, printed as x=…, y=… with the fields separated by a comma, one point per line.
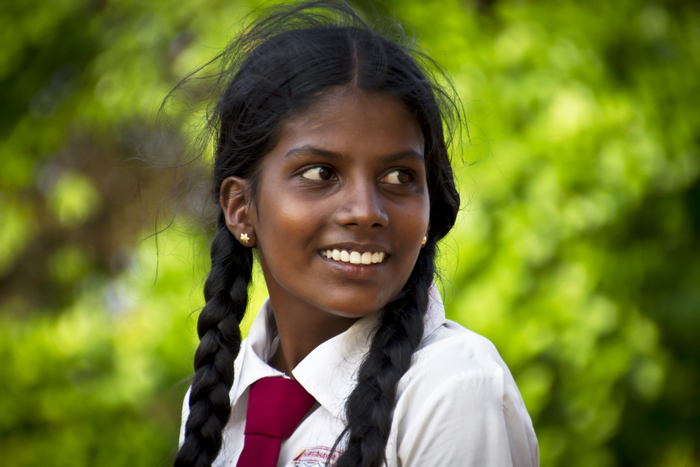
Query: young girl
x=332, y=168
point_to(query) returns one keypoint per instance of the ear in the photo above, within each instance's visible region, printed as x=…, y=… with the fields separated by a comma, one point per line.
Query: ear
x=236, y=202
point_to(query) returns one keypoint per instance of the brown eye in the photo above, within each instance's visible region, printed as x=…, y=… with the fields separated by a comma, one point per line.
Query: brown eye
x=318, y=173
x=396, y=177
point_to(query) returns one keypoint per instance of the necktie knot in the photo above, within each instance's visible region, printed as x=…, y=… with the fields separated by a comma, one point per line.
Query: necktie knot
x=276, y=406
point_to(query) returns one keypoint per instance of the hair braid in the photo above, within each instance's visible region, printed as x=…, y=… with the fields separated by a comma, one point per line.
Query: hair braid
x=226, y=295
x=371, y=404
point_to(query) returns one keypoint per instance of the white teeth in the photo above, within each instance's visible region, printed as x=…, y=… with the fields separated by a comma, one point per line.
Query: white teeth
x=354, y=257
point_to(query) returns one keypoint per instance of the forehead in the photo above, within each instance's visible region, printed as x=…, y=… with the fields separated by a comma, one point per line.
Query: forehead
x=348, y=119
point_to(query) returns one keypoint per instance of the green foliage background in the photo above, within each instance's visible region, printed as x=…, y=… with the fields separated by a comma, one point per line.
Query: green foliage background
x=577, y=253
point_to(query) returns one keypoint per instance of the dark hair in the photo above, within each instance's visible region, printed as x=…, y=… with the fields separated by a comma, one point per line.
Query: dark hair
x=277, y=68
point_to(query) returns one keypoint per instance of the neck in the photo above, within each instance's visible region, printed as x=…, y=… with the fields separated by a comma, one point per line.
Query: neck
x=300, y=332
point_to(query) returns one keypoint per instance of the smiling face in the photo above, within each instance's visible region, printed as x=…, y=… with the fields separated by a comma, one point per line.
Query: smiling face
x=344, y=186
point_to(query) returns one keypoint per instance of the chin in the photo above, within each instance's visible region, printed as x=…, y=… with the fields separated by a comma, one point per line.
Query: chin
x=357, y=309
x=353, y=313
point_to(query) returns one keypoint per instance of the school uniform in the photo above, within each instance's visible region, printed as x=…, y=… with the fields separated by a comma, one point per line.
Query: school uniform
x=457, y=405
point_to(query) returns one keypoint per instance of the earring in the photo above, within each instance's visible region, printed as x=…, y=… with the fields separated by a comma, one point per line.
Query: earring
x=425, y=240
x=244, y=238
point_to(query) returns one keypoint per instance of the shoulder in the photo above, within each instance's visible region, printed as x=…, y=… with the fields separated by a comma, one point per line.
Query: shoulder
x=454, y=367
x=457, y=367
x=460, y=394
x=453, y=352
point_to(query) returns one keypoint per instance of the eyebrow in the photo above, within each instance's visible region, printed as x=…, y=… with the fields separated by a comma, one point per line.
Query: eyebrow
x=308, y=149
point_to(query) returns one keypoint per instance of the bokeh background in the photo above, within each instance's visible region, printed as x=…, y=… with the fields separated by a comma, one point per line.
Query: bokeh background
x=577, y=252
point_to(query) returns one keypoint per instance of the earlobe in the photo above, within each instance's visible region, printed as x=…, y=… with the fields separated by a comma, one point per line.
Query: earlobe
x=425, y=237
x=235, y=202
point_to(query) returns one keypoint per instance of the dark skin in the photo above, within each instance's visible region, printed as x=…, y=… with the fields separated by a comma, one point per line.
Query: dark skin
x=298, y=339
x=347, y=175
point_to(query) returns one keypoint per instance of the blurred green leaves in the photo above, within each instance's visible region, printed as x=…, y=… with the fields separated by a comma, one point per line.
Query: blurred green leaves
x=15, y=228
x=98, y=384
x=73, y=200
x=576, y=253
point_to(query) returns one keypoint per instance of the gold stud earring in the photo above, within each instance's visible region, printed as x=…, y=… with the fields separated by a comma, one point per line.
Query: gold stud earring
x=425, y=240
x=244, y=238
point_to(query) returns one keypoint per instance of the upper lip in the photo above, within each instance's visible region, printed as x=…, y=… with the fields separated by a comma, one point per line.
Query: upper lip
x=359, y=247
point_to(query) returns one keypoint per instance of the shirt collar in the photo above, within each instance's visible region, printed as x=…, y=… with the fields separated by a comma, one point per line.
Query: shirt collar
x=251, y=363
x=329, y=372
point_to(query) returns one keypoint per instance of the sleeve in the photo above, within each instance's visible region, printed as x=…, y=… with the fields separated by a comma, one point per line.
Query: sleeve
x=185, y=414
x=471, y=420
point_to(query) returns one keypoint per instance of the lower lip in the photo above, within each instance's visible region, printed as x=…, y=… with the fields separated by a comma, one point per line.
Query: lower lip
x=356, y=271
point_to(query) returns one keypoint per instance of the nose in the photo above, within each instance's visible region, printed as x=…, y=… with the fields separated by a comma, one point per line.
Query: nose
x=362, y=205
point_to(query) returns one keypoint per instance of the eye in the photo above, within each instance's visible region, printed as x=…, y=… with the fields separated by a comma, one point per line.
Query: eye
x=317, y=173
x=397, y=177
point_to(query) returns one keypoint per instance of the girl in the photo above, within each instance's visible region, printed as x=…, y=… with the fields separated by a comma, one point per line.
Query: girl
x=332, y=168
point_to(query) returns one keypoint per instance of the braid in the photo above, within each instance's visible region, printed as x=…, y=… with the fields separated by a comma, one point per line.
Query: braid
x=371, y=404
x=226, y=295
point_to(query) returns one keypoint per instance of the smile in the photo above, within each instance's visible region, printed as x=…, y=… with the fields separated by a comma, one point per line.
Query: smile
x=353, y=257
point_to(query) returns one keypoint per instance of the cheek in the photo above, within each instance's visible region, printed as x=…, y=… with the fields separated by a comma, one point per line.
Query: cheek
x=285, y=224
x=414, y=218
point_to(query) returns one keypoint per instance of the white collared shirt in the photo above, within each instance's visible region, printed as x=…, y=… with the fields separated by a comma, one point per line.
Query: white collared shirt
x=457, y=405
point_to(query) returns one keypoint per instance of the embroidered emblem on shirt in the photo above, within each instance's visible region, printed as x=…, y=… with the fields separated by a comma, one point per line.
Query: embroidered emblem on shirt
x=316, y=456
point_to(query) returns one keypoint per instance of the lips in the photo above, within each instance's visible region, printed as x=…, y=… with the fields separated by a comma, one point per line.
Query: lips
x=354, y=257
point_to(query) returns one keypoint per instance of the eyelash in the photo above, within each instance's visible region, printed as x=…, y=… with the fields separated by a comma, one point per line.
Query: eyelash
x=407, y=173
x=333, y=176
x=321, y=167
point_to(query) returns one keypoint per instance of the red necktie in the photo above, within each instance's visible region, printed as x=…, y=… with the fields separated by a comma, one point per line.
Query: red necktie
x=275, y=408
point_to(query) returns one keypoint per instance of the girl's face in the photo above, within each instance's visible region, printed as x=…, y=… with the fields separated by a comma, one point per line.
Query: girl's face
x=348, y=176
